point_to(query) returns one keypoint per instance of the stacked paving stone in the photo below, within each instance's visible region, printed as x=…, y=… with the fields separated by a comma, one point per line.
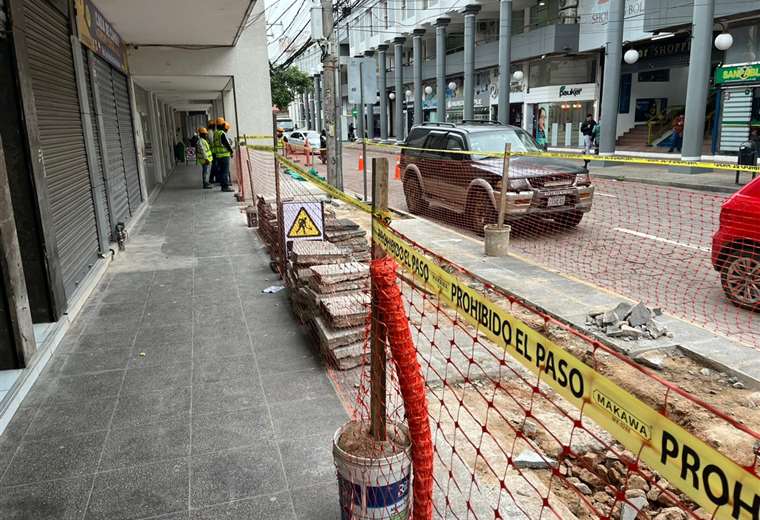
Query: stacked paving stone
x=268, y=229
x=330, y=293
x=346, y=234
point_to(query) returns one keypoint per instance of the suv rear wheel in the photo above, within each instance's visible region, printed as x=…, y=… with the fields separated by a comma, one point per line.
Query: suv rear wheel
x=740, y=278
x=569, y=219
x=415, y=200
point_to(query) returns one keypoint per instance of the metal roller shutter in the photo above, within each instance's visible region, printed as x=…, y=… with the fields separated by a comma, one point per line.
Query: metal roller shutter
x=101, y=185
x=128, y=145
x=62, y=140
x=117, y=182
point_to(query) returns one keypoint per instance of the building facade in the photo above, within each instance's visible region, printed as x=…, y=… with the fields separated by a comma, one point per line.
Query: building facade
x=558, y=47
x=96, y=96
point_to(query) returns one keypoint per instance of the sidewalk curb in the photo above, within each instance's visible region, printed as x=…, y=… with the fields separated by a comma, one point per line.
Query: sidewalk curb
x=670, y=184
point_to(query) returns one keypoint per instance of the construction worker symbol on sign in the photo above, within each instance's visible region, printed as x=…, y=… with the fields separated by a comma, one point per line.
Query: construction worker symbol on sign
x=304, y=226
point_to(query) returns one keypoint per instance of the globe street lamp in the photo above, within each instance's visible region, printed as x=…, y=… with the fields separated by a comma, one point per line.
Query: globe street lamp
x=391, y=96
x=631, y=56
x=724, y=41
x=428, y=90
x=518, y=75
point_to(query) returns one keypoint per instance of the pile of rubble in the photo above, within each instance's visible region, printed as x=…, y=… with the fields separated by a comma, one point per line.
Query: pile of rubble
x=628, y=322
x=599, y=476
x=330, y=293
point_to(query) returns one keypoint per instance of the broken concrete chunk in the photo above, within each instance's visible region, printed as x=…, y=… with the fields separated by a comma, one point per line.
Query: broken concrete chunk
x=622, y=310
x=651, y=360
x=632, y=507
x=640, y=315
x=532, y=460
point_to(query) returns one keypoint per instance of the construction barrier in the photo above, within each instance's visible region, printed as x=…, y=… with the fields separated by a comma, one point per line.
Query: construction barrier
x=532, y=417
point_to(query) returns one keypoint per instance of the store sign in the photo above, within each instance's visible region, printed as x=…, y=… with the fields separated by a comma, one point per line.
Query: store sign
x=98, y=34
x=595, y=15
x=570, y=91
x=736, y=73
x=678, y=45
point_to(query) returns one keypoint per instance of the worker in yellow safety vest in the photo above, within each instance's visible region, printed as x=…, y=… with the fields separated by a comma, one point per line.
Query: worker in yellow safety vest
x=221, y=149
x=203, y=156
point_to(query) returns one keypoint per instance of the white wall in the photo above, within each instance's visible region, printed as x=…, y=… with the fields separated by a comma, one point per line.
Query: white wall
x=247, y=62
x=674, y=90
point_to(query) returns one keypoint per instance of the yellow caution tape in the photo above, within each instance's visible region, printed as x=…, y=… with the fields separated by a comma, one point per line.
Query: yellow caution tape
x=707, y=476
x=584, y=157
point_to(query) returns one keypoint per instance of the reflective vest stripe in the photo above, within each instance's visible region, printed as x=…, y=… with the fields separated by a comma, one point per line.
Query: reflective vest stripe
x=219, y=150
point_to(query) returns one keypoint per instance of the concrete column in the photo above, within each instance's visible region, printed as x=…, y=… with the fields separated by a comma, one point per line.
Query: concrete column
x=398, y=48
x=526, y=19
x=417, y=74
x=469, y=59
x=699, y=78
x=505, y=58
x=370, y=106
x=318, y=100
x=611, y=85
x=383, y=87
x=440, y=67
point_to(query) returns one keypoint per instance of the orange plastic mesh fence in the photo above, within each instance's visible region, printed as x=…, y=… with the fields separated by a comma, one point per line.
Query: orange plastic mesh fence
x=507, y=441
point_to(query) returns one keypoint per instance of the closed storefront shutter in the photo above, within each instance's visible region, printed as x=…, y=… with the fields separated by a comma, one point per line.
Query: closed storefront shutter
x=100, y=185
x=117, y=180
x=69, y=190
x=127, y=134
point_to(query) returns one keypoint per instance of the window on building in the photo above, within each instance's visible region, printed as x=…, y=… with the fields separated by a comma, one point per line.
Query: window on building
x=518, y=21
x=544, y=13
x=648, y=76
x=559, y=71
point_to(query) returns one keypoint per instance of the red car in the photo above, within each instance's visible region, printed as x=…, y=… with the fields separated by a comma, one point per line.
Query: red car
x=736, y=247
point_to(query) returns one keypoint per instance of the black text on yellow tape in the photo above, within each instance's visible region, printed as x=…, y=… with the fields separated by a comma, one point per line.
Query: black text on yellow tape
x=708, y=477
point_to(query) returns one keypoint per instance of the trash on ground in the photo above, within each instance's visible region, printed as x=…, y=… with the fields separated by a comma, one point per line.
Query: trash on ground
x=273, y=289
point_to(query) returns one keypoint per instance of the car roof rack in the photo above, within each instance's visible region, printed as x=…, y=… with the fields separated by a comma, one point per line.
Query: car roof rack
x=434, y=123
x=480, y=122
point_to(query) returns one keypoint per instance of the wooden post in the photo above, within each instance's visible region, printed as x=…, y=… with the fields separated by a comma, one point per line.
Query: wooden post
x=378, y=333
x=13, y=271
x=504, y=186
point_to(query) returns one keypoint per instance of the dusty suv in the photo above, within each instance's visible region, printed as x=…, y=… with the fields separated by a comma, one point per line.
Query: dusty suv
x=435, y=171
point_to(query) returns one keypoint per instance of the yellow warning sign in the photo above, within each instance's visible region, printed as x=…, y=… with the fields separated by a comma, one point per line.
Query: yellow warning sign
x=304, y=226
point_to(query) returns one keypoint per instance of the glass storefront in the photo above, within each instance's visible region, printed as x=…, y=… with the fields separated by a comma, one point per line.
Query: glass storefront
x=560, y=122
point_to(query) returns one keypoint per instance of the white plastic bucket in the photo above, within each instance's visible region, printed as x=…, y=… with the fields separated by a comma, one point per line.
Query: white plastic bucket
x=374, y=489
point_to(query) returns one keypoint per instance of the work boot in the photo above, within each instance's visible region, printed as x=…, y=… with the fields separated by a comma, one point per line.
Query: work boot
x=207, y=186
x=227, y=189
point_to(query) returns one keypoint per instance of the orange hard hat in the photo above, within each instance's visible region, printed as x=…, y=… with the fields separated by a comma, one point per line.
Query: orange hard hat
x=202, y=130
x=226, y=125
x=220, y=121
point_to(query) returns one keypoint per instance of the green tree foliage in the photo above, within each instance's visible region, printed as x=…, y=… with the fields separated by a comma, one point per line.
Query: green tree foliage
x=286, y=83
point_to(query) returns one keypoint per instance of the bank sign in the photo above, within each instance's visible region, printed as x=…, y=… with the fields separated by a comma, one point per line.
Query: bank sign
x=97, y=33
x=737, y=73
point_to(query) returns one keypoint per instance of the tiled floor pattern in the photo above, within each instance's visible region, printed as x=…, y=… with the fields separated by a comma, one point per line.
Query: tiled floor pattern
x=181, y=392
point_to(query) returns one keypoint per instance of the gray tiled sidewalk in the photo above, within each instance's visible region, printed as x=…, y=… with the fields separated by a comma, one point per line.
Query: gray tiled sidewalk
x=182, y=392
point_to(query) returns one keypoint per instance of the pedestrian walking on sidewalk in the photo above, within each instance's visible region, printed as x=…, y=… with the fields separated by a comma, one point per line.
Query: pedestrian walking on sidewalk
x=587, y=129
x=203, y=155
x=677, y=137
x=222, y=152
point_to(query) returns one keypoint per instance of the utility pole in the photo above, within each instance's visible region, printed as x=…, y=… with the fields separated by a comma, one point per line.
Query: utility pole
x=329, y=64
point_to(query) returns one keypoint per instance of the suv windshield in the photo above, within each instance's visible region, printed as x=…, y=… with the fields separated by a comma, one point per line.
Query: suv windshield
x=495, y=141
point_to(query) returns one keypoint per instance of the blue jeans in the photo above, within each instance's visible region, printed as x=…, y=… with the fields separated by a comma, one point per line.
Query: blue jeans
x=204, y=173
x=223, y=171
